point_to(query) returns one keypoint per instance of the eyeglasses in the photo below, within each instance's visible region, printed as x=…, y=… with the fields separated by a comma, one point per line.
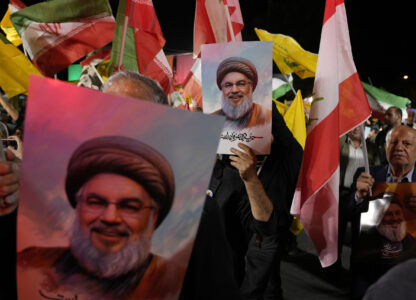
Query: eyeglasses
x=127, y=207
x=241, y=85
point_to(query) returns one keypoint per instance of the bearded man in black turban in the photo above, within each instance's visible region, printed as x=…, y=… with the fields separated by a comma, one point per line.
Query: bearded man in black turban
x=237, y=79
x=121, y=190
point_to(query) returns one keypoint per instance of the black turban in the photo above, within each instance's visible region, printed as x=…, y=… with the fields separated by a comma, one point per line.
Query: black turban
x=127, y=157
x=240, y=65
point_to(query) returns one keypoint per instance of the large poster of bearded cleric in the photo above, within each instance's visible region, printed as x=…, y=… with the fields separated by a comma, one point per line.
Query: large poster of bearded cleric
x=237, y=84
x=388, y=230
x=112, y=191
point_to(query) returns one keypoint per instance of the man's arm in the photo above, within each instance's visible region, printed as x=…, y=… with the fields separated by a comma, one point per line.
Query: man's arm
x=245, y=162
x=9, y=108
x=9, y=182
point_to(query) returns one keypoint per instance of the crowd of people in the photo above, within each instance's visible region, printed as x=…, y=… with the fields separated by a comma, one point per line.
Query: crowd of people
x=245, y=222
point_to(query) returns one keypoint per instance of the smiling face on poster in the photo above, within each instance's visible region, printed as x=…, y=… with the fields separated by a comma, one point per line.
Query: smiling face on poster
x=237, y=84
x=108, y=206
x=388, y=230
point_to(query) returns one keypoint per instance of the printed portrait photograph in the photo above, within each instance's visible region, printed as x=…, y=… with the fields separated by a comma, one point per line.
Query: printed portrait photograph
x=237, y=84
x=109, y=204
x=388, y=232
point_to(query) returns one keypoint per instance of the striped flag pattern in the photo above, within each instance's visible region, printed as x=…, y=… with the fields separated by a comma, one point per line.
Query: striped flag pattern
x=340, y=104
x=211, y=22
x=57, y=33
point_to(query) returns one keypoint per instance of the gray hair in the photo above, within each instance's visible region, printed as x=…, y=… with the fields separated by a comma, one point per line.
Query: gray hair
x=158, y=96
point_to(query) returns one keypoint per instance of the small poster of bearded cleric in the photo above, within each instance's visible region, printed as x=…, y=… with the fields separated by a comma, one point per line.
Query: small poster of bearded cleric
x=388, y=230
x=237, y=84
x=112, y=191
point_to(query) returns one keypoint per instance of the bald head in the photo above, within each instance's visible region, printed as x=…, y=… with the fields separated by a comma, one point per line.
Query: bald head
x=134, y=85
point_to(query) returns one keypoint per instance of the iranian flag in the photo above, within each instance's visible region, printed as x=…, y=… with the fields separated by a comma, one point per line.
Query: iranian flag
x=57, y=33
x=138, y=43
x=216, y=21
x=340, y=104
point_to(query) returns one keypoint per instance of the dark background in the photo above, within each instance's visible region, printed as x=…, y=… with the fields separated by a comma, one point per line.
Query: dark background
x=380, y=33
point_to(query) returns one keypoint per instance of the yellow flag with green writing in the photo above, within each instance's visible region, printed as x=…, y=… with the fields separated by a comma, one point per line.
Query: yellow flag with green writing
x=289, y=56
x=15, y=69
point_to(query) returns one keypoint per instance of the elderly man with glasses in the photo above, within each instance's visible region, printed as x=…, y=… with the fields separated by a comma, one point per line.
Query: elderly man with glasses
x=121, y=190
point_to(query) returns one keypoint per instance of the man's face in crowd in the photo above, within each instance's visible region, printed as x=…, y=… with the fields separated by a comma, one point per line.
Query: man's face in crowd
x=391, y=117
x=237, y=95
x=401, y=147
x=393, y=225
x=355, y=134
x=115, y=211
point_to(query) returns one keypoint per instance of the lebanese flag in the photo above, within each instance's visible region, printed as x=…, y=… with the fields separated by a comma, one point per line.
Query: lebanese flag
x=212, y=19
x=192, y=84
x=340, y=104
x=57, y=33
x=151, y=60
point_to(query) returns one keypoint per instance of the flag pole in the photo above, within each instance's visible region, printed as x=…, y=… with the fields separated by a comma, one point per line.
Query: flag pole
x=230, y=25
x=289, y=83
x=365, y=153
x=123, y=36
x=366, y=164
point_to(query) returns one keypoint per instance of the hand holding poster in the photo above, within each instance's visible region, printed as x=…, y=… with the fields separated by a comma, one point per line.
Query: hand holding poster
x=105, y=192
x=237, y=84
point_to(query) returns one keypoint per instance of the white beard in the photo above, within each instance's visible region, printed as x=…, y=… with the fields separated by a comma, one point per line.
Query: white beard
x=236, y=112
x=108, y=265
x=393, y=235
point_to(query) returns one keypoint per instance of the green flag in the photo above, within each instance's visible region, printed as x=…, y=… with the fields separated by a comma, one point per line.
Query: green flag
x=385, y=97
x=129, y=52
x=281, y=86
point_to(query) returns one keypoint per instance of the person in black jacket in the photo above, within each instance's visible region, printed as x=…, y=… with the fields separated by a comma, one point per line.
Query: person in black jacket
x=401, y=157
x=255, y=195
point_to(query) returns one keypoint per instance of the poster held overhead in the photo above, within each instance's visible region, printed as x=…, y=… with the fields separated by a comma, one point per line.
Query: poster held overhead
x=237, y=84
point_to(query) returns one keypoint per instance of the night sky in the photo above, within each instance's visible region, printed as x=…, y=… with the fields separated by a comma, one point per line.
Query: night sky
x=380, y=33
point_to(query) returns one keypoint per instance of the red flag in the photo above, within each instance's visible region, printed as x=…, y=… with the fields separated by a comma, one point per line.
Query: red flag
x=57, y=33
x=339, y=106
x=97, y=57
x=212, y=25
x=151, y=60
x=192, y=84
x=212, y=19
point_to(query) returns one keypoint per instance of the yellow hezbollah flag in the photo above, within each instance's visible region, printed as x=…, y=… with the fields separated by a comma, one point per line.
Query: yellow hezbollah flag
x=295, y=121
x=281, y=107
x=9, y=29
x=289, y=56
x=15, y=69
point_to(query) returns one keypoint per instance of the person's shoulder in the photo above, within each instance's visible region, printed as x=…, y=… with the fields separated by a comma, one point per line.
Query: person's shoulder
x=263, y=111
x=261, y=115
x=374, y=170
x=162, y=280
x=39, y=256
x=165, y=266
x=410, y=238
x=218, y=112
